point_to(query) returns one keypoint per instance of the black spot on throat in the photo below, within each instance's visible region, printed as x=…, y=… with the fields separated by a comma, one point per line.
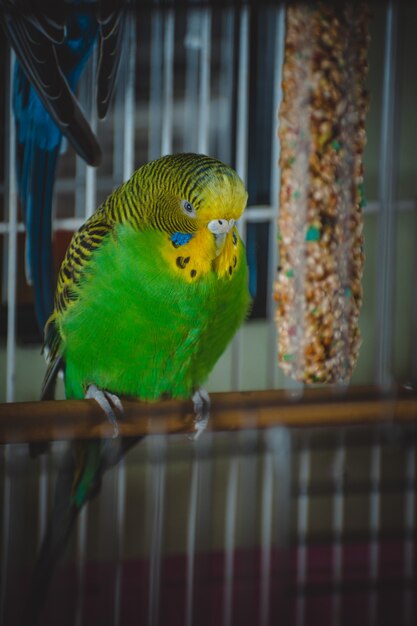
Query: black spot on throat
x=182, y=262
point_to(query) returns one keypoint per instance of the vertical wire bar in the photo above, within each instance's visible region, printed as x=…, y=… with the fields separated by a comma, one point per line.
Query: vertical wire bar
x=413, y=333
x=81, y=552
x=409, y=524
x=7, y=495
x=118, y=139
x=241, y=162
x=85, y=98
x=279, y=58
x=124, y=123
x=157, y=446
x=128, y=164
x=338, y=513
x=168, y=85
x=204, y=90
x=120, y=521
x=226, y=74
x=387, y=176
x=229, y=538
x=129, y=102
x=89, y=208
x=192, y=44
x=266, y=537
x=272, y=368
x=86, y=173
x=199, y=515
x=43, y=497
x=91, y=171
x=191, y=537
x=11, y=200
x=194, y=515
x=243, y=93
x=80, y=172
x=302, y=528
x=155, y=95
x=280, y=442
x=276, y=482
x=374, y=514
x=247, y=513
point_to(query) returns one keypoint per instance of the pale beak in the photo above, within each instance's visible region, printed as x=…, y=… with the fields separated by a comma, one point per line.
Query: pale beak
x=220, y=228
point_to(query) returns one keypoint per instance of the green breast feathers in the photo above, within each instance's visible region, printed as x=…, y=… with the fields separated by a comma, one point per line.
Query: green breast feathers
x=154, y=285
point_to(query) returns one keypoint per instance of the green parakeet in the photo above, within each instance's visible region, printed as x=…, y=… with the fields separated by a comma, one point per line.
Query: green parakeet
x=154, y=284
x=152, y=289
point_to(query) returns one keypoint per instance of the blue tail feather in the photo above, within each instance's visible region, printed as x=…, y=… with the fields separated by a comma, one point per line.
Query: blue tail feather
x=39, y=254
x=39, y=141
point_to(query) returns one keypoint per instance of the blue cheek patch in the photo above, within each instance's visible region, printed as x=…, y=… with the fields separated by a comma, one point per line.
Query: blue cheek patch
x=180, y=239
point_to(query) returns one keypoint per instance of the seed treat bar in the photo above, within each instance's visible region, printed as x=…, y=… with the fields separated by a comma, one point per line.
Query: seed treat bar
x=318, y=289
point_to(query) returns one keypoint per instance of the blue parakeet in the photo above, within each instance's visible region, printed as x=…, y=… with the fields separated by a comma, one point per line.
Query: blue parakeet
x=53, y=42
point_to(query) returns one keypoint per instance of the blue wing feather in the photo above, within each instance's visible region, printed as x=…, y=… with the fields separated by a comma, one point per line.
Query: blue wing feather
x=38, y=145
x=52, y=45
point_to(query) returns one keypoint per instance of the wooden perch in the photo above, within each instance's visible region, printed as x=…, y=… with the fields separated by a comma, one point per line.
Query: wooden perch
x=84, y=419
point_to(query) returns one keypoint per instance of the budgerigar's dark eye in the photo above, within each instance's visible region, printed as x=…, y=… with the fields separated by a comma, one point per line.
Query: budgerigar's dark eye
x=188, y=208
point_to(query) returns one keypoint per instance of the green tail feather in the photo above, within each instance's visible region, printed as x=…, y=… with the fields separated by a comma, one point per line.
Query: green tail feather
x=75, y=486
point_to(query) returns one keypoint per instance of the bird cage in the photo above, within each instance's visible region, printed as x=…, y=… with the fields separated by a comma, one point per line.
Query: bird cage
x=297, y=506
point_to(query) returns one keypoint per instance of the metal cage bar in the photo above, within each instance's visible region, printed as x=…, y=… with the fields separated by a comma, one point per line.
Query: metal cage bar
x=156, y=482
x=374, y=523
x=302, y=529
x=168, y=84
x=274, y=200
x=338, y=515
x=241, y=160
x=387, y=178
x=11, y=198
x=229, y=537
x=410, y=533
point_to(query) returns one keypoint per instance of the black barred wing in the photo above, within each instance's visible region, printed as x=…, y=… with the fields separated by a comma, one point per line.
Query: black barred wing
x=83, y=244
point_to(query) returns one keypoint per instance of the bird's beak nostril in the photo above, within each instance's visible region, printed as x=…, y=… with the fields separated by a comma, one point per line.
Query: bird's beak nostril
x=218, y=227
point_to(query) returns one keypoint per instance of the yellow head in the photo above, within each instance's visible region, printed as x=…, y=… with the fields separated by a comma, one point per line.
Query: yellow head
x=185, y=193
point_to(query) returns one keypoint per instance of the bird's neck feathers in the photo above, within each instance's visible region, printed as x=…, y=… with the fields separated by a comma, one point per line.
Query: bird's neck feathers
x=200, y=256
x=127, y=205
x=139, y=203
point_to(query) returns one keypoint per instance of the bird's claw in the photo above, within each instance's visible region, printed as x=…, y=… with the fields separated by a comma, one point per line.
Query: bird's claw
x=104, y=399
x=201, y=401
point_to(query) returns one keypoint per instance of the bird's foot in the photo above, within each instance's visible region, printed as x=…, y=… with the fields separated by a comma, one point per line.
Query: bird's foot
x=106, y=399
x=201, y=401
